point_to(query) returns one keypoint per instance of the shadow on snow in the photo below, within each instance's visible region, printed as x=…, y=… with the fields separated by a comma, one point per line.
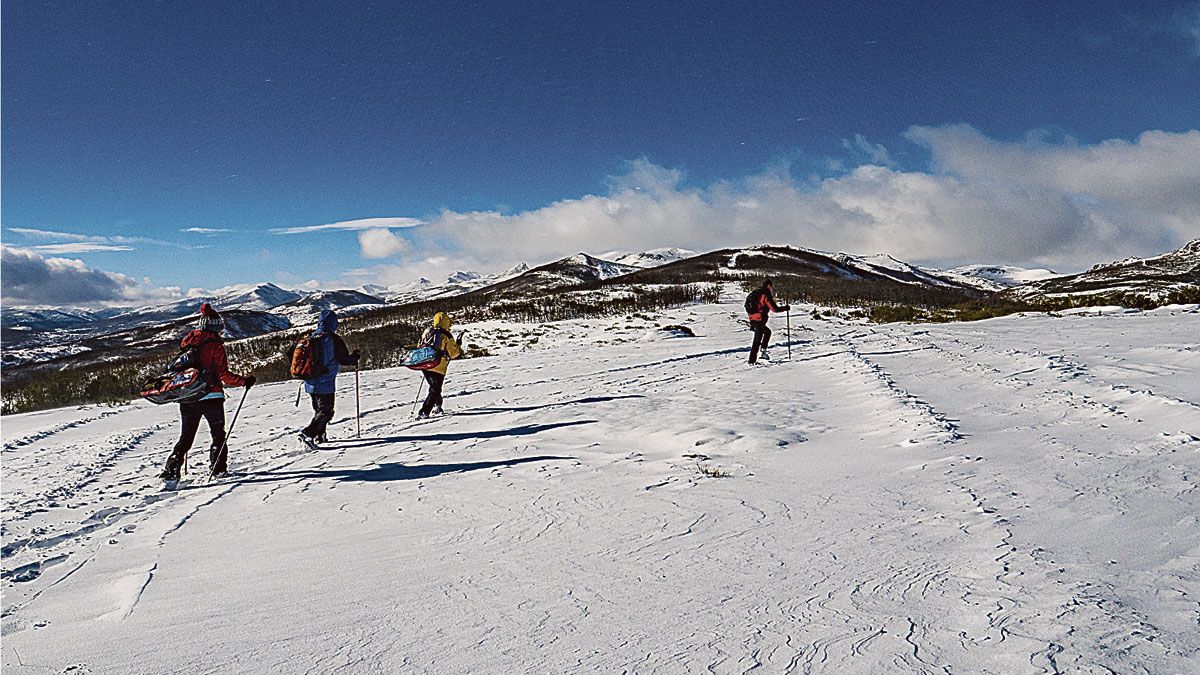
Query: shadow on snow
x=524, y=430
x=488, y=410
x=394, y=471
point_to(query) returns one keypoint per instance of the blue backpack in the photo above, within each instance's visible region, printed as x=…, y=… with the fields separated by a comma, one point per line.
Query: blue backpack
x=429, y=354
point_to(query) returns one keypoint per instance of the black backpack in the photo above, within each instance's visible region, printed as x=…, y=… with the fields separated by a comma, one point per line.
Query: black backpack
x=181, y=382
x=188, y=357
x=752, y=301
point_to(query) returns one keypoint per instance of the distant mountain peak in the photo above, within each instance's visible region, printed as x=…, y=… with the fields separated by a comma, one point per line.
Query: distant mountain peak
x=515, y=270
x=651, y=258
x=462, y=277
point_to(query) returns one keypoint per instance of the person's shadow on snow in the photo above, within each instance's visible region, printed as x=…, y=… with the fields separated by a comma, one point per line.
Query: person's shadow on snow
x=394, y=471
x=524, y=430
x=490, y=410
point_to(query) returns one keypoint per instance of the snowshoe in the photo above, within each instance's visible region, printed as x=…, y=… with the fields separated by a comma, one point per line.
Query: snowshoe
x=170, y=484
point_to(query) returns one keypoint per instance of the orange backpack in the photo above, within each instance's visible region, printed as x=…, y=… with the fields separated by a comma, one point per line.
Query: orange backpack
x=306, y=359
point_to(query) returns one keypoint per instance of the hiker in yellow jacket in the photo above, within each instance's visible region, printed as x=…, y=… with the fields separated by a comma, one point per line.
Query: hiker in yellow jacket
x=439, y=337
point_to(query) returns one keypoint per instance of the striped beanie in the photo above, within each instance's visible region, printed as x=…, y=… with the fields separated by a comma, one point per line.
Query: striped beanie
x=210, y=319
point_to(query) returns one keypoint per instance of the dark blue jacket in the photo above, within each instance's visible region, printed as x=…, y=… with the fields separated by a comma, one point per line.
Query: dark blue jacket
x=333, y=354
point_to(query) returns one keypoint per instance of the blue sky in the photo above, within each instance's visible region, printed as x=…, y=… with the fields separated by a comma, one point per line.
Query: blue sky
x=504, y=128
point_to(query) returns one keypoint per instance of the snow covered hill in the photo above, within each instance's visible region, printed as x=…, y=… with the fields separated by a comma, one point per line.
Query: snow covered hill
x=570, y=271
x=260, y=297
x=1005, y=496
x=307, y=308
x=1148, y=278
x=896, y=270
x=996, y=277
x=455, y=284
x=651, y=258
x=36, y=319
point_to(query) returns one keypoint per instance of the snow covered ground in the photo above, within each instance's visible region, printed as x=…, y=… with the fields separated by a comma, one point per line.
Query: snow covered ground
x=1015, y=495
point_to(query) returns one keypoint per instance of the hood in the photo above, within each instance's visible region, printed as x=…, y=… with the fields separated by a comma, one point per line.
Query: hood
x=198, y=337
x=328, y=322
x=442, y=320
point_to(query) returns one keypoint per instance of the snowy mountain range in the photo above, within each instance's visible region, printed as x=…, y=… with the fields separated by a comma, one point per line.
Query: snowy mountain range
x=33, y=335
x=455, y=284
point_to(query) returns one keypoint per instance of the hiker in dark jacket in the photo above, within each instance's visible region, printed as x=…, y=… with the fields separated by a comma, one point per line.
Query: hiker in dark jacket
x=439, y=337
x=332, y=355
x=212, y=361
x=759, y=306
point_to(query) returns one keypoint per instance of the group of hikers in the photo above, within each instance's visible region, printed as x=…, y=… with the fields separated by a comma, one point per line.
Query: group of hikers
x=332, y=353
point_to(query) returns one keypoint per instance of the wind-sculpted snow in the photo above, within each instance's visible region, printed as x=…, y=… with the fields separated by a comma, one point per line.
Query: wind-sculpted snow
x=1016, y=495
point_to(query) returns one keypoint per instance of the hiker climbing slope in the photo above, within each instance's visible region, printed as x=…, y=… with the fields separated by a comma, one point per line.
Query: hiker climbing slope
x=212, y=361
x=331, y=354
x=438, y=336
x=759, y=305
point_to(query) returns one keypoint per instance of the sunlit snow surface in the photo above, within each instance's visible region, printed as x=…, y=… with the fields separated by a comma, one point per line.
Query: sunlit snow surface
x=1015, y=495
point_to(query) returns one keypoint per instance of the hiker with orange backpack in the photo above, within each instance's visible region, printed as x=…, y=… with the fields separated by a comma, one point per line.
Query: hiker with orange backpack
x=327, y=354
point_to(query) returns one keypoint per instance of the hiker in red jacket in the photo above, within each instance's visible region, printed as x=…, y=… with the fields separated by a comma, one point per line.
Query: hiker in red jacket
x=212, y=361
x=759, y=305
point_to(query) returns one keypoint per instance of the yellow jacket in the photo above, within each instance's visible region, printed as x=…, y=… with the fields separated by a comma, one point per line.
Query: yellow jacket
x=450, y=348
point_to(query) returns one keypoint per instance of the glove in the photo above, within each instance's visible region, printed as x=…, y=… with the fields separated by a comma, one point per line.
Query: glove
x=250, y=380
x=786, y=308
x=355, y=355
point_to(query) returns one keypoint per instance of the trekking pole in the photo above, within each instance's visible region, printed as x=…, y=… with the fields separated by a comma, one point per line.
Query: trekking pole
x=357, y=405
x=418, y=398
x=789, y=332
x=224, y=453
x=298, y=392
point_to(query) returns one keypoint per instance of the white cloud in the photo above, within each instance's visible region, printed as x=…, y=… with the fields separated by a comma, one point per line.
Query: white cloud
x=351, y=225
x=206, y=230
x=380, y=243
x=1030, y=202
x=75, y=237
x=78, y=247
x=50, y=234
x=30, y=278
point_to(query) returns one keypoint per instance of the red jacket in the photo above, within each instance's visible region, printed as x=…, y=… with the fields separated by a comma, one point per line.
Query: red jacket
x=210, y=352
x=766, y=305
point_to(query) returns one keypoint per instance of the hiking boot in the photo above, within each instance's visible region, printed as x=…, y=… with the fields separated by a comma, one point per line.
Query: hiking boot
x=762, y=354
x=218, y=475
x=438, y=410
x=422, y=415
x=321, y=439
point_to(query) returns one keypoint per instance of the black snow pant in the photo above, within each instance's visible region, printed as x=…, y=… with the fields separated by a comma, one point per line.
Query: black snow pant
x=762, y=336
x=212, y=410
x=435, y=380
x=322, y=405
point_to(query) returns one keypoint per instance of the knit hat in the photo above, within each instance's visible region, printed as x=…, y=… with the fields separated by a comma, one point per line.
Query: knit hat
x=210, y=319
